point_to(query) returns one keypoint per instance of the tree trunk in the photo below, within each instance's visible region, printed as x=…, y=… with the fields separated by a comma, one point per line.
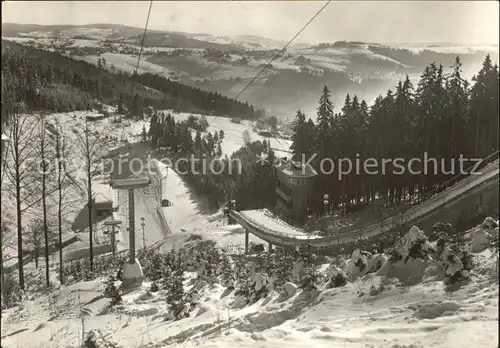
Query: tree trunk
x=45, y=227
x=59, y=206
x=19, y=229
x=44, y=203
x=59, y=223
x=89, y=198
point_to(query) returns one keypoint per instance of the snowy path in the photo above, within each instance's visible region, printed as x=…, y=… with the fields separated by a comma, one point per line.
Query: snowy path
x=185, y=212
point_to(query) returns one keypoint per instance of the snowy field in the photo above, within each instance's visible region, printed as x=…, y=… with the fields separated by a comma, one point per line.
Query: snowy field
x=128, y=63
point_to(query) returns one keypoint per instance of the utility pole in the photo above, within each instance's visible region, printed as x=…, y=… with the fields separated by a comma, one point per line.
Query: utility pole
x=325, y=203
x=113, y=223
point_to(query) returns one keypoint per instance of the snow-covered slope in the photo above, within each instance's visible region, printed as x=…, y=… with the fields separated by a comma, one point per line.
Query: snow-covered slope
x=233, y=134
x=354, y=315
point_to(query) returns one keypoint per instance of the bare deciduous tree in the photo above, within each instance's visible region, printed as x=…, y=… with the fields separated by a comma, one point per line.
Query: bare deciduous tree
x=34, y=238
x=43, y=171
x=89, y=148
x=63, y=186
x=19, y=171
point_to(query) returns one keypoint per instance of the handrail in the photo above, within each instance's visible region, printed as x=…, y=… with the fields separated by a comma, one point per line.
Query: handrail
x=163, y=222
x=432, y=197
x=485, y=161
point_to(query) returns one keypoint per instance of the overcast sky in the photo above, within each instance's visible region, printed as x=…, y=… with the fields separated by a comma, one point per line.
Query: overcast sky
x=471, y=22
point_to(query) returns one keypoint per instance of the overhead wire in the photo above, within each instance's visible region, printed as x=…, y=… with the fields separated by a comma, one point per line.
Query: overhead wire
x=134, y=75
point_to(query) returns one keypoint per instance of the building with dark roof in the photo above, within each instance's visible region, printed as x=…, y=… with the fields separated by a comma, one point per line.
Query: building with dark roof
x=294, y=182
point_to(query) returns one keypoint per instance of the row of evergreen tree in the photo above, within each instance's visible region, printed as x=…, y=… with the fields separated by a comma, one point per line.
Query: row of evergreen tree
x=444, y=116
x=176, y=137
x=49, y=81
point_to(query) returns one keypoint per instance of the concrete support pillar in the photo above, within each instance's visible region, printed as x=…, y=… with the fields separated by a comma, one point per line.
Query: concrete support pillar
x=246, y=241
x=131, y=233
x=132, y=271
x=270, y=248
x=113, y=240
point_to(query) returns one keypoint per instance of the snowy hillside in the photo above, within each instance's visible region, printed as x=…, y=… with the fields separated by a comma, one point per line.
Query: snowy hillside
x=249, y=42
x=376, y=308
x=233, y=134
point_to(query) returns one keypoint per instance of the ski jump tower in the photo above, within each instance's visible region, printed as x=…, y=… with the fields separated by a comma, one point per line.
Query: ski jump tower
x=132, y=271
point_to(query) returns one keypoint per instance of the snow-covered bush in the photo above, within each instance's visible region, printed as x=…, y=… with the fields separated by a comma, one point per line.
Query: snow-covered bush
x=310, y=279
x=226, y=272
x=168, y=276
x=154, y=287
x=408, y=258
x=298, y=271
x=489, y=223
x=413, y=245
x=255, y=288
x=11, y=293
x=112, y=292
x=90, y=340
x=375, y=290
x=493, y=242
x=341, y=262
x=279, y=268
x=104, y=266
x=376, y=262
x=357, y=266
x=440, y=228
x=478, y=240
x=152, y=263
x=485, y=236
x=456, y=264
x=176, y=297
x=336, y=277
x=289, y=290
x=95, y=339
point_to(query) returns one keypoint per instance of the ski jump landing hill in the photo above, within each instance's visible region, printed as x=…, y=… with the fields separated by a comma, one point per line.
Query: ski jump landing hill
x=472, y=195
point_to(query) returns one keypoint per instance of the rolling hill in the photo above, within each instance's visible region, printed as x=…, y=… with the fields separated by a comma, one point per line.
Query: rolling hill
x=226, y=64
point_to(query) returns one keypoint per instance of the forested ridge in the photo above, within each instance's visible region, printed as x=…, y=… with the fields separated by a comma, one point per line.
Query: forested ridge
x=45, y=80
